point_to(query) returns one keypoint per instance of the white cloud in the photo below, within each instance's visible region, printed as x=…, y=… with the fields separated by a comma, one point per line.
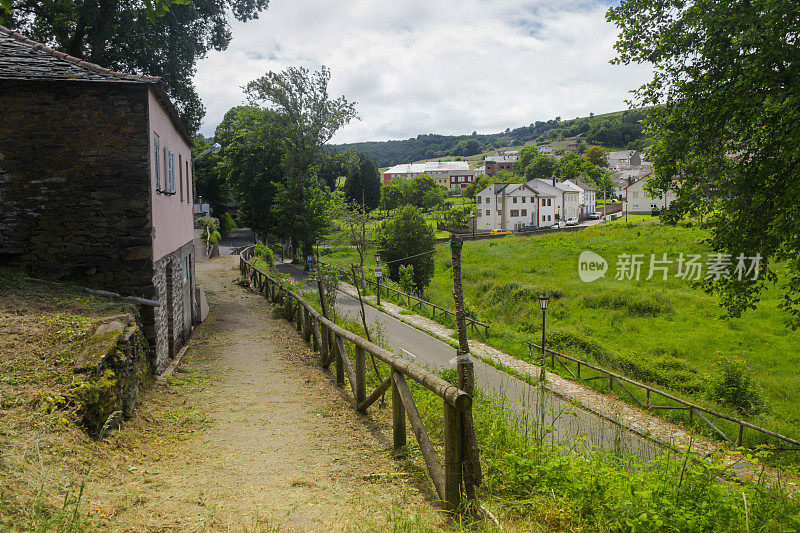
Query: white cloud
x=435, y=66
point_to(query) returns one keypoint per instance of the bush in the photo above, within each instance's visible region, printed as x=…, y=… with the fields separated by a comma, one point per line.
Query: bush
x=734, y=386
x=264, y=253
x=406, y=280
x=227, y=223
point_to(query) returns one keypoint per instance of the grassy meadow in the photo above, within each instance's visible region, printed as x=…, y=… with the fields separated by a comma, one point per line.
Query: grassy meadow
x=665, y=333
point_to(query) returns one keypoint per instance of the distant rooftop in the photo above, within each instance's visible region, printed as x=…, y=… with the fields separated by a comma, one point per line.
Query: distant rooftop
x=429, y=166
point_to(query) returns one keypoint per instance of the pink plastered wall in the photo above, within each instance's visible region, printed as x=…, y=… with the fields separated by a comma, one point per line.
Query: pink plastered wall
x=172, y=217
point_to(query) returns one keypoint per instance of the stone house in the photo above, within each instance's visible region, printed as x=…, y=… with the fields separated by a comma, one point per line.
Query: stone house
x=96, y=184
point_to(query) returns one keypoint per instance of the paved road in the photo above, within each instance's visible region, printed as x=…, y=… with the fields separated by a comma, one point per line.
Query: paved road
x=235, y=239
x=571, y=424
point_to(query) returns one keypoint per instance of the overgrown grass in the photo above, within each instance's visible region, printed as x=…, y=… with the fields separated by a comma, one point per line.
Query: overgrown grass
x=664, y=332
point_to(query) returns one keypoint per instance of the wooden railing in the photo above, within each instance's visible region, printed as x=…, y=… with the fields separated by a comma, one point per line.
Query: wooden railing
x=331, y=342
x=694, y=411
x=416, y=303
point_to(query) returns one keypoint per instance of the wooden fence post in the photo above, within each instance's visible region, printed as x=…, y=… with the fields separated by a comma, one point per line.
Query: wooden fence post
x=453, y=433
x=339, y=362
x=398, y=417
x=361, y=375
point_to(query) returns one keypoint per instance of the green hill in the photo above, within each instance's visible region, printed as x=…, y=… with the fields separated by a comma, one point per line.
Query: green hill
x=621, y=129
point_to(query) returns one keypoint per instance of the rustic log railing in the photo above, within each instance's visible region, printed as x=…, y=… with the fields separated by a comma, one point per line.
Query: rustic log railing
x=330, y=340
x=693, y=410
x=416, y=303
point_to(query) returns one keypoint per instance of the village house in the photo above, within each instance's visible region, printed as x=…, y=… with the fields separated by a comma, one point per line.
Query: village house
x=96, y=184
x=570, y=198
x=513, y=206
x=620, y=180
x=450, y=174
x=496, y=163
x=640, y=201
x=624, y=159
x=550, y=202
x=587, y=199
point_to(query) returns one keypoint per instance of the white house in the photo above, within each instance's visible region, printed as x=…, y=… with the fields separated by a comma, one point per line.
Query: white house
x=480, y=171
x=587, y=202
x=570, y=199
x=457, y=174
x=551, y=200
x=513, y=206
x=642, y=202
x=546, y=149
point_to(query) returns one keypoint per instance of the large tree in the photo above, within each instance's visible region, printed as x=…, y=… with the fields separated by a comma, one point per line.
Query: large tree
x=311, y=118
x=541, y=166
x=157, y=38
x=727, y=127
x=363, y=183
x=251, y=163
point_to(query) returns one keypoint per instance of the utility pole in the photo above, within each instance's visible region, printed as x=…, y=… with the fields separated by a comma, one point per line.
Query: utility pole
x=466, y=376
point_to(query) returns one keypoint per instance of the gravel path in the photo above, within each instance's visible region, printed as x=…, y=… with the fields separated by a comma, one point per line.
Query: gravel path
x=281, y=449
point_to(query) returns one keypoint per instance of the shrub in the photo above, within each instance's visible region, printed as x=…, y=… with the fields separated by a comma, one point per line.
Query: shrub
x=264, y=253
x=406, y=279
x=227, y=223
x=733, y=385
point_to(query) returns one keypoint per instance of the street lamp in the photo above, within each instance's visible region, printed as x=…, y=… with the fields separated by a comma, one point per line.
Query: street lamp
x=378, y=274
x=213, y=149
x=543, y=301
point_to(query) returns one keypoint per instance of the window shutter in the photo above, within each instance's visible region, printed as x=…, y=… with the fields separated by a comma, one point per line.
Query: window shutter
x=157, y=153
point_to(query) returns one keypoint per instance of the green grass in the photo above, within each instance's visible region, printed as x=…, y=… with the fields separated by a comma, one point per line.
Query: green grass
x=663, y=332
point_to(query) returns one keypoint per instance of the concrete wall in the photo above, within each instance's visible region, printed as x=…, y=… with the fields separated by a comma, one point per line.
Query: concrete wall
x=74, y=194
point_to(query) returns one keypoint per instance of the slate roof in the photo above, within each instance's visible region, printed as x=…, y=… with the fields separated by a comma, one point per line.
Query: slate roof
x=24, y=59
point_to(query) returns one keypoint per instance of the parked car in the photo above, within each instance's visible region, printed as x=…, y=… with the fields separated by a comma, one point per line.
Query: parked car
x=529, y=228
x=595, y=216
x=573, y=221
x=499, y=232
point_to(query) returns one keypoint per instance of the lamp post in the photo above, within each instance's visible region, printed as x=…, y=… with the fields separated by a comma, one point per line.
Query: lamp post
x=543, y=301
x=378, y=274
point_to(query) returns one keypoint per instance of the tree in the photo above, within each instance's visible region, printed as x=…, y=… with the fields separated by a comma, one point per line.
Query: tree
x=727, y=126
x=301, y=100
x=424, y=192
x=355, y=221
x=526, y=155
x=334, y=166
x=363, y=183
x=251, y=162
x=541, y=166
x=477, y=185
x=394, y=193
x=209, y=181
x=596, y=155
x=407, y=239
x=164, y=38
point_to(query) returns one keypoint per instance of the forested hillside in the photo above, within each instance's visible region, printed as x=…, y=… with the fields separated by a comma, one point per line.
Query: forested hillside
x=622, y=129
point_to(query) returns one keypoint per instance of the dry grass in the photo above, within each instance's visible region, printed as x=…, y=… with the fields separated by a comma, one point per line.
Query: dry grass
x=47, y=462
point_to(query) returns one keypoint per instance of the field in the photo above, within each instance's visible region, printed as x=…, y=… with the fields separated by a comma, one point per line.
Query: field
x=666, y=333
x=663, y=332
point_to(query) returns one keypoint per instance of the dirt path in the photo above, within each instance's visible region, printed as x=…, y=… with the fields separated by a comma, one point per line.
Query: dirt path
x=280, y=449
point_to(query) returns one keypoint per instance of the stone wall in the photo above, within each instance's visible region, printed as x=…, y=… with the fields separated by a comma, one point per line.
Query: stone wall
x=113, y=368
x=75, y=180
x=172, y=321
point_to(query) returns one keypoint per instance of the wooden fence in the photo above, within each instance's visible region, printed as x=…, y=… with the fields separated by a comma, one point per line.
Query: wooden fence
x=330, y=340
x=414, y=302
x=694, y=411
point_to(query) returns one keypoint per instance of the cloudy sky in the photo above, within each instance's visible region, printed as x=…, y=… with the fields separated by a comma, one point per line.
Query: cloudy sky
x=432, y=66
